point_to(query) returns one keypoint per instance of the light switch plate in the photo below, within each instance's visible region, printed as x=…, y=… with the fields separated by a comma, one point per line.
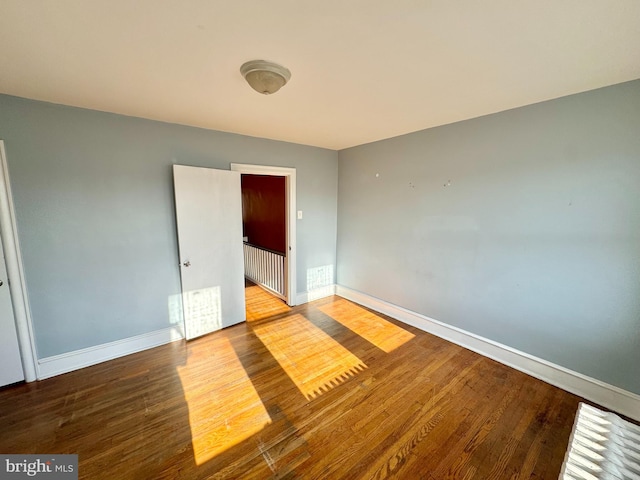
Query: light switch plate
x=299, y=214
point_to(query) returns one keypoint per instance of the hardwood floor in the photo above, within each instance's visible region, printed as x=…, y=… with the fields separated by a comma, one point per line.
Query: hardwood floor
x=260, y=304
x=323, y=390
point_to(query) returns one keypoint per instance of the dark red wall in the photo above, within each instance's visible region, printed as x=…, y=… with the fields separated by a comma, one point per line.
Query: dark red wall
x=264, y=211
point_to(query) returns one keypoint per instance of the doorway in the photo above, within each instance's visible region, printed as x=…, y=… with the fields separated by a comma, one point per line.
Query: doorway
x=208, y=207
x=264, y=231
x=287, y=176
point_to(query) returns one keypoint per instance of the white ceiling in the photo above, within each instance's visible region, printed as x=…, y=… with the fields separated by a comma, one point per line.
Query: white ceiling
x=362, y=70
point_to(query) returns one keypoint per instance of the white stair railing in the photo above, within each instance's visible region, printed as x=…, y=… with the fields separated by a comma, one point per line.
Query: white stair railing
x=266, y=268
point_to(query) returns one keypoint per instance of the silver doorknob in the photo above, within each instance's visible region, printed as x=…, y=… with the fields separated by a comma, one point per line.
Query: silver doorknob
x=187, y=263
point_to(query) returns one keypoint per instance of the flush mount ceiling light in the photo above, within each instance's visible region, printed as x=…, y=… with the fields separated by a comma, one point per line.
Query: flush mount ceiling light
x=265, y=77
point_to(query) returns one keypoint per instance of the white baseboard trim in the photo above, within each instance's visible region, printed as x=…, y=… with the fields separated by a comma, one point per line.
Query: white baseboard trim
x=315, y=294
x=609, y=396
x=67, y=362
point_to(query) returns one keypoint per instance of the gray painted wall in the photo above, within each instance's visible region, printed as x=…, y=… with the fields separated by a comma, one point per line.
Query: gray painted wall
x=94, y=204
x=534, y=244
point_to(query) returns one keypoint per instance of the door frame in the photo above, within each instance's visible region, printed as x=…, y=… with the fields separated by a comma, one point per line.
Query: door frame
x=15, y=273
x=291, y=215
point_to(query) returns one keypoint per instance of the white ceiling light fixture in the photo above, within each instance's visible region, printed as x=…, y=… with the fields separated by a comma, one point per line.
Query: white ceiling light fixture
x=265, y=77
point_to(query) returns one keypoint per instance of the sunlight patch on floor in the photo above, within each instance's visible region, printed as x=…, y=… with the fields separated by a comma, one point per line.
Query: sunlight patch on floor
x=376, y=330
x=261, y=305
x=224, y=407
x=314, y=361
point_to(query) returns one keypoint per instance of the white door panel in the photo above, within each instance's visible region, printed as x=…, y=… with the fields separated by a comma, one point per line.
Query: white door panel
x=10, y=361
x=209, y=220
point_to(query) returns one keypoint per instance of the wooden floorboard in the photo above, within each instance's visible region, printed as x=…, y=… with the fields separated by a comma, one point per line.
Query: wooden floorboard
x=324, y=390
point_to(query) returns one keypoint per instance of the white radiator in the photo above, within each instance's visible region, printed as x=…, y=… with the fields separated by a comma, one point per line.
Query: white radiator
x=266, y=268
x=602, y=446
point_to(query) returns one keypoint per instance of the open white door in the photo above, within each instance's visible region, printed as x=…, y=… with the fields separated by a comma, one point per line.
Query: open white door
x=10, y=360
x=209, y=219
